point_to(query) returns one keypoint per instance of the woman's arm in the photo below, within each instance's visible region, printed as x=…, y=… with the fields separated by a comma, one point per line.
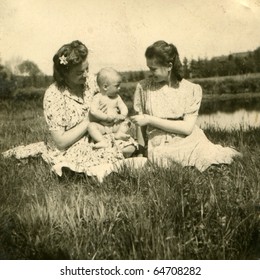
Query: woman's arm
x=54, y=106
x=64, y=139
x=184, y=126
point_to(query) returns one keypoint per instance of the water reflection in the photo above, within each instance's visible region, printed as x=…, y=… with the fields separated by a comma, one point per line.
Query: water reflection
x=239, y=119
x=230, y=114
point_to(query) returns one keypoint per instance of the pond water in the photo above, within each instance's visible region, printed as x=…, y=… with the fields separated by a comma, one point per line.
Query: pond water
x=228, y=121
x=230, y=114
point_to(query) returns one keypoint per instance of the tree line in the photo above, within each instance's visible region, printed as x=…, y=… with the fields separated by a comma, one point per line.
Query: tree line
x=229, y=65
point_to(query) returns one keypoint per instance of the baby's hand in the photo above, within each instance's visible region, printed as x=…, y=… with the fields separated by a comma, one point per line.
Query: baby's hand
x=119, y=118
x=111, y=118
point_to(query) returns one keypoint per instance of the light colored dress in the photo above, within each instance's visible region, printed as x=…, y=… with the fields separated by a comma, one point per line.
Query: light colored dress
x=62, y=110
x=174, y=103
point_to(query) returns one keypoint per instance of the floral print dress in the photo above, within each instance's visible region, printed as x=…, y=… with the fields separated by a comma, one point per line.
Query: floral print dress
x=63, y=111
x=175, y=103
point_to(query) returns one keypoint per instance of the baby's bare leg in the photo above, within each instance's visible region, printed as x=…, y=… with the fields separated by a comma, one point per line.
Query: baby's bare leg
x=96, y=131
x=121, y=131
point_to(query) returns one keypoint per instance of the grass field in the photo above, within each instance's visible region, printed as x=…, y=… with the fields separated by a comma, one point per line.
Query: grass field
x=178, y=213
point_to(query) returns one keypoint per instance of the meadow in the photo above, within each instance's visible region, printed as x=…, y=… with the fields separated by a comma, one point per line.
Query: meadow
x=151, y=213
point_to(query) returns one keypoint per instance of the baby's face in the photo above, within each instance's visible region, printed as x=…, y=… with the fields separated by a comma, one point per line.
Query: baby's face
x=113, y=87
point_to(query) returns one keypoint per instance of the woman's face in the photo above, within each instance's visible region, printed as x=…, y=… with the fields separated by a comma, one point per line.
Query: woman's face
x=160, y=73
x=77, y=74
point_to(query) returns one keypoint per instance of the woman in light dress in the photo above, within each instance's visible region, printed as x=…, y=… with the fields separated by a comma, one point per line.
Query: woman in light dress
x=167, y=107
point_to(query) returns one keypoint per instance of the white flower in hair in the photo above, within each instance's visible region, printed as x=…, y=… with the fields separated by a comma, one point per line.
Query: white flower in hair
x=63, y=60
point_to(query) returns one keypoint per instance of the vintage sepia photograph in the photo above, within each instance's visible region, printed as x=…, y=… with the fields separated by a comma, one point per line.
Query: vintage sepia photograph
x=130, y=130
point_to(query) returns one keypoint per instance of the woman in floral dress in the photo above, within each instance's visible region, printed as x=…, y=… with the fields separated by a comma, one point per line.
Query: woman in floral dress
x=66, y=107
x=167, y=107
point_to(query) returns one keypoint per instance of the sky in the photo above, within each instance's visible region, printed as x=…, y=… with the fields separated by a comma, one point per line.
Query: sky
x=117, y=32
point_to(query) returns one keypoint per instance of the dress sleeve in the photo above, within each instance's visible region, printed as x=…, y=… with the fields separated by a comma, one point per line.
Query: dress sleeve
x=54, y=109
x=138, y=96
x=193, y=101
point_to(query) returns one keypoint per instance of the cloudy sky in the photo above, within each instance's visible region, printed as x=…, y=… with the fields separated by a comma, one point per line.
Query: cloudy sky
x=117, y=32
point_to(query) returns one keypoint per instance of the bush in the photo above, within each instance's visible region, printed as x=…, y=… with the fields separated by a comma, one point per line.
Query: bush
x=7, y=82
x=29, y=93
x=7, y=87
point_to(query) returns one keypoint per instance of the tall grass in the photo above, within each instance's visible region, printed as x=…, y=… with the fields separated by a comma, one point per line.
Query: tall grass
x=152, y=213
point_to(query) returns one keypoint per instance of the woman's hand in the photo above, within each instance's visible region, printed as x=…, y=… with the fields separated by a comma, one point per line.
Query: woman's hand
x=141, y=120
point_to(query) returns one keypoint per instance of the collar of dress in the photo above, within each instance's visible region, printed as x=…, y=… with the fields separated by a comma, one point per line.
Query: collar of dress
x=74, y=97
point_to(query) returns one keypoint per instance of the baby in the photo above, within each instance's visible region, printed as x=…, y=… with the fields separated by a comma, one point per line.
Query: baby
x=113, y=120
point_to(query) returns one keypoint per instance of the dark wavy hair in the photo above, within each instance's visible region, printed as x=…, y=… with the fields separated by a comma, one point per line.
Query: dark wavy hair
x=66, y=57
x=165, y=53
